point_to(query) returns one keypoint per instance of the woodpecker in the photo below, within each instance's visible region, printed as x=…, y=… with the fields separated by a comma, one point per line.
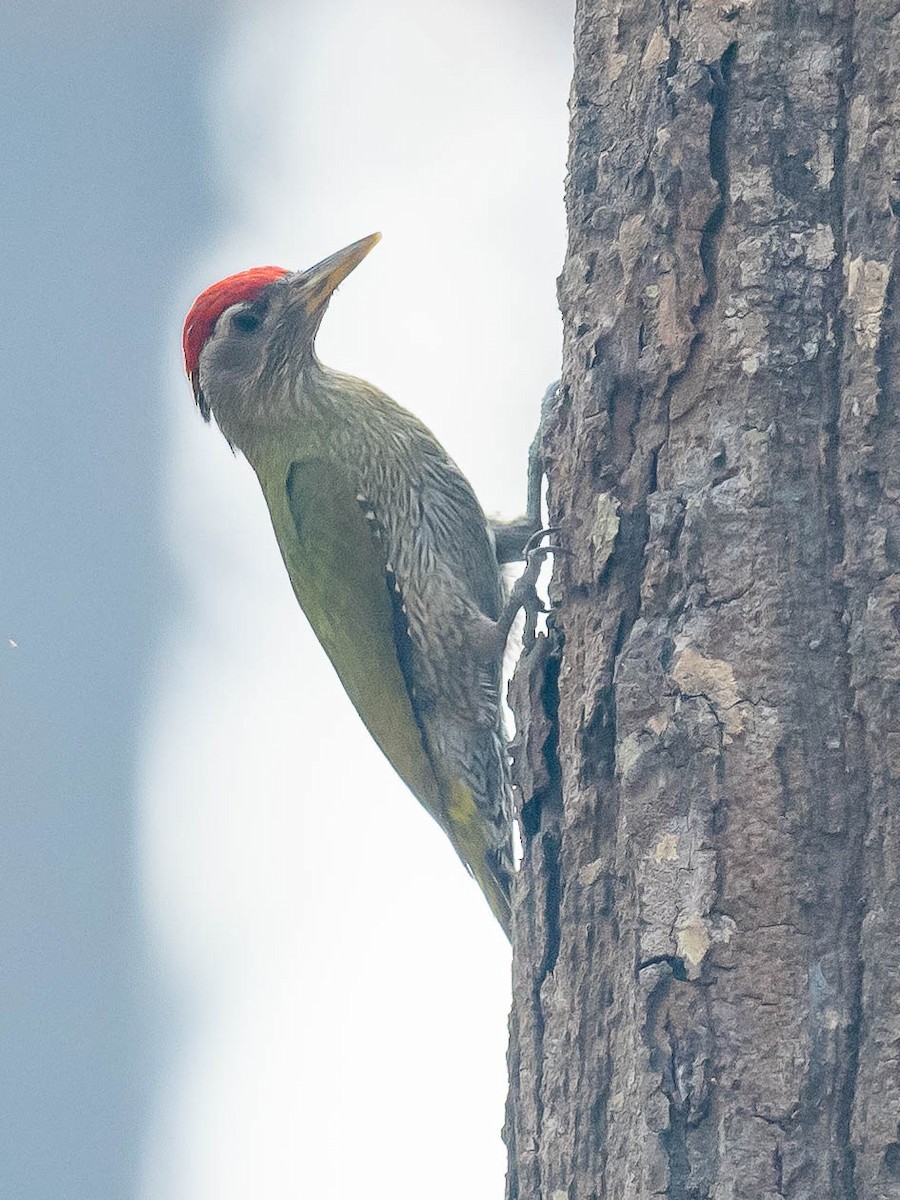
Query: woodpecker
x=387, y=548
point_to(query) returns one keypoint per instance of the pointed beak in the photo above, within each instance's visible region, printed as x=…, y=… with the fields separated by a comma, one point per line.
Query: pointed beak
x=314, y=287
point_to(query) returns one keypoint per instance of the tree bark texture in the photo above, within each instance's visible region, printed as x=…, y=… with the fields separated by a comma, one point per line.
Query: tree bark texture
x=707, y=944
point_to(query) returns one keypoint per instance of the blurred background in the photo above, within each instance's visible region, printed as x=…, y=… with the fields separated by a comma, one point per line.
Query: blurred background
x=237, y=958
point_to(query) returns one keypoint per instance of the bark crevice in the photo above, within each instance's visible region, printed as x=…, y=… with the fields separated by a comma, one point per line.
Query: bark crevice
x=720, y=97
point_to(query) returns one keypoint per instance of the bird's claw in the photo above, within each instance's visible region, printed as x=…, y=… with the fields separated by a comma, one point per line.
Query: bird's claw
x=526, y=587
x=534, y=542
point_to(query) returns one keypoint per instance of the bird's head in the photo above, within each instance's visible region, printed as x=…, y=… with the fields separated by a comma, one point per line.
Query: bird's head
x=250, y=330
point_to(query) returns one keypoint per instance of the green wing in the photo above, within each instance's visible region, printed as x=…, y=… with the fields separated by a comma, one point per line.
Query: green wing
x=339, y=576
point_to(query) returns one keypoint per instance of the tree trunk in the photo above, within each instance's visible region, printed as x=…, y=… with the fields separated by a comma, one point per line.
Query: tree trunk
x=707, y=946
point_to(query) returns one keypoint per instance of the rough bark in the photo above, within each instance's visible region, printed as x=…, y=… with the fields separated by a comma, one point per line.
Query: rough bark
x=707, y=947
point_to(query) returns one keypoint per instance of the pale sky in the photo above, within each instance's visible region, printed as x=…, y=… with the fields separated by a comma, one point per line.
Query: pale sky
x=324, y=990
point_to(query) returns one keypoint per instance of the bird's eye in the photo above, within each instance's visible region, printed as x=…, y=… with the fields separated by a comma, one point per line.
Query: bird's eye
x=246, y=321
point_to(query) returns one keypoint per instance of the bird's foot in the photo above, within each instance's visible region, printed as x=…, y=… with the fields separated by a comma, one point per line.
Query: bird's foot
x=524, y=592
x=490, y=637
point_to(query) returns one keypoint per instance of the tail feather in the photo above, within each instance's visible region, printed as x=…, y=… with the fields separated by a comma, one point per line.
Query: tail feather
x=472, y=769
x=491, y=865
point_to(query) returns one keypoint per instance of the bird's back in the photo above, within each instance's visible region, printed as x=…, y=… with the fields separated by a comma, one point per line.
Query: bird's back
x=373, y=505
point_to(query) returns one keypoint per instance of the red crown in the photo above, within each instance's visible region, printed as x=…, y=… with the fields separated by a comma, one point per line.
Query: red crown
x=210, y=305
